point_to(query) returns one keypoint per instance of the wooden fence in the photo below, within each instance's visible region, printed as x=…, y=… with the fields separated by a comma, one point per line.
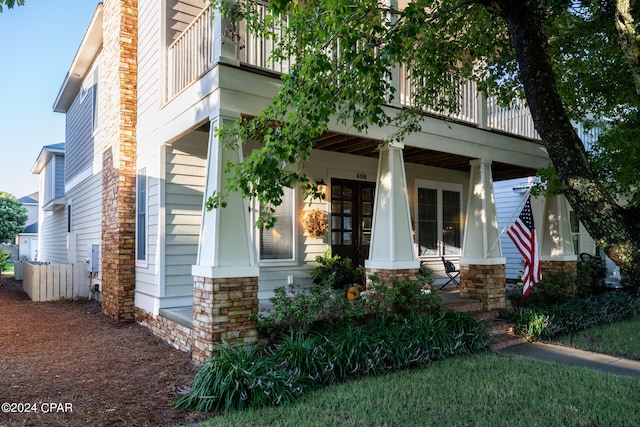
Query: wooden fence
x=53, y=282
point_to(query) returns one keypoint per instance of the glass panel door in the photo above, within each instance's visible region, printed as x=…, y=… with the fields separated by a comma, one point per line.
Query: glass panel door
x=351, y=218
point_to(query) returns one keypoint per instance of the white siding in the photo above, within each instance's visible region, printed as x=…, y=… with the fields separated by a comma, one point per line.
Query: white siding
x=150, y=63
x=509, y=197
x=53, y=236
x=184, y=189
x=85, y=200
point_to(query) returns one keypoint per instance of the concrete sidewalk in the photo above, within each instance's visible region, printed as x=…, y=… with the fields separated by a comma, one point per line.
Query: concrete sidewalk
x=570, y=356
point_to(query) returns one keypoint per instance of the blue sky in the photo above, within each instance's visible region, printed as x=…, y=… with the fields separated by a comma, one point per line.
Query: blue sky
x=37, y=44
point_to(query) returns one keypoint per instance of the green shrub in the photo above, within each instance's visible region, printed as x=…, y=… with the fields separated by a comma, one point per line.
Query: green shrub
x=296, y=309
x=402, y=297
x=4, y=257
x=554, y=288
x=591, y=274
x=336, y=272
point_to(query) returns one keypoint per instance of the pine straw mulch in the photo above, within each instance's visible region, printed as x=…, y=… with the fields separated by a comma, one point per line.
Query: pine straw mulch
x=70, y=354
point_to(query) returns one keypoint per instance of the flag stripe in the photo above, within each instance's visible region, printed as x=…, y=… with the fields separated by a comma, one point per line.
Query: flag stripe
x=523, y=234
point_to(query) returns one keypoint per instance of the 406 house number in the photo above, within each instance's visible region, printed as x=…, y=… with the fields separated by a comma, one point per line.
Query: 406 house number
x=361, y=175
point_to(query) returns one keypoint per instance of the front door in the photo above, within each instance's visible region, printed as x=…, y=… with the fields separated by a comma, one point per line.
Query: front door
x=351, y=218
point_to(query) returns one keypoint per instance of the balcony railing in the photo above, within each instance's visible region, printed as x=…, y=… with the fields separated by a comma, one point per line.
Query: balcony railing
x=193, y=54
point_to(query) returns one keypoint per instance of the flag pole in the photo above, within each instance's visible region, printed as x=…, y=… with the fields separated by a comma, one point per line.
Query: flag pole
x=516, y=211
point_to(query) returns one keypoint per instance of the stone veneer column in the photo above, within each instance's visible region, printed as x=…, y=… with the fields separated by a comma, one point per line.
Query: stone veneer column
x=482, y=267
x=225, y=294
x=486, y=282
x=224, y=310
x=117, y=115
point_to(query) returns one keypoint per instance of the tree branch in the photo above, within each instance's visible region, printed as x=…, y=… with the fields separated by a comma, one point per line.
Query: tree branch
x=628, y=42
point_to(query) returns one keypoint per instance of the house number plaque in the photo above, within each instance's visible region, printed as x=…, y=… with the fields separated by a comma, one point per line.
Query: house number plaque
x=361, y=175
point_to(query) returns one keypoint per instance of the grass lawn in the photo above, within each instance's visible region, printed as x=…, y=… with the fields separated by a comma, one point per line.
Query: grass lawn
x=617, y=339
x=480, y=390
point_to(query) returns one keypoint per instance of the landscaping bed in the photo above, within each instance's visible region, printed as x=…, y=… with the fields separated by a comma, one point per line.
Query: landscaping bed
x=73, y=366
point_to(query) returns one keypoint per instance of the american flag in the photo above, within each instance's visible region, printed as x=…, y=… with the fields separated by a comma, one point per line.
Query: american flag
x=523, y=234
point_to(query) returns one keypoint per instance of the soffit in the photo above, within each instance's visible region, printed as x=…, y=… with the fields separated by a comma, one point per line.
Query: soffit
x=358, y=146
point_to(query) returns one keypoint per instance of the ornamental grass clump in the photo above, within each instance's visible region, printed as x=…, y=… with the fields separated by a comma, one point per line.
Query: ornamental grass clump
x=253, y=377
x=240, y=378
x=319, y=337
x=546, y=321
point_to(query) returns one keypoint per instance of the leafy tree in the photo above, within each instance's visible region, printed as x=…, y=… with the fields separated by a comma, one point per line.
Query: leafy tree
x=570, y=59
x=13, y=217
x=11, y=3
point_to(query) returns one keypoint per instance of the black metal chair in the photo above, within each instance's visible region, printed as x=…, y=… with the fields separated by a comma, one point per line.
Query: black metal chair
x=452, y=273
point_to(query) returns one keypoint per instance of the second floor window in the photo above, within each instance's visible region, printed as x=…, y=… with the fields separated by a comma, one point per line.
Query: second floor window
x=94, y=90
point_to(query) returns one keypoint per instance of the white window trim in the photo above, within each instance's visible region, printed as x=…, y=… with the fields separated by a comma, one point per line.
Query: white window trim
x=255, y=208
x=439, y=186
x=144, y=263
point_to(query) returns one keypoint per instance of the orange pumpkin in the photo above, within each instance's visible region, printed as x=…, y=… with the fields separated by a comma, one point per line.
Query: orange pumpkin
x=353, y=292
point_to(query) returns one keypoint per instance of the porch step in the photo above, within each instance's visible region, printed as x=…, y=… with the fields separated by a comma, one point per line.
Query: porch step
x=505, y=340
x=502, y=335
x=470, y=305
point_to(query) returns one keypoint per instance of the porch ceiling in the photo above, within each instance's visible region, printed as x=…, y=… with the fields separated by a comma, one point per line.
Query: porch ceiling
x=348, y=144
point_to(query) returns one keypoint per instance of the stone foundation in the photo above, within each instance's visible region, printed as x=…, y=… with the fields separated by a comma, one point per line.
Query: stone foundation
x=558, y=267
x=484, y=282
x=407, y=275
x=177, y=335
x=224, y=309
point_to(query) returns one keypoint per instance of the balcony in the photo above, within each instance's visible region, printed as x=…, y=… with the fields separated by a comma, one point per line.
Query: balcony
x=199, y=48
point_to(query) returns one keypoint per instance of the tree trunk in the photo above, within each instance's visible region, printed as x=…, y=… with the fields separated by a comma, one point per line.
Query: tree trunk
x=615, y=229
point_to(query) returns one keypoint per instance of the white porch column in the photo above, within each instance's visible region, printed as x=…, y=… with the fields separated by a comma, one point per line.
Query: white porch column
x=225, y=278
x=557, y=244
x=482, y=267
x=557, y=254
x=391, y=240
x=225, y=248
x=481, y=244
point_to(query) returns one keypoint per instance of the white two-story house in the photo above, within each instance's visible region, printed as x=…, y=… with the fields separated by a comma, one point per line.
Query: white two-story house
x=151, y=81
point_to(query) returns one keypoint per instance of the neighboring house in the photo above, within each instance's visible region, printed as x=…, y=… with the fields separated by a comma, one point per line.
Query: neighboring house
x=28, y=240
x=50, y=166
x=142, y=99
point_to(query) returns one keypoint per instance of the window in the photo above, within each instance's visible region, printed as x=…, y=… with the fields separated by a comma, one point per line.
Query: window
x=94, y=90
x=439, y=218
x=277, y=243
x=68, y=218
x=141, y=216
x=575, y=231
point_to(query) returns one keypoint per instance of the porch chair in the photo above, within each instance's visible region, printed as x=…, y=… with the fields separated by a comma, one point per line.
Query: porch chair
x=452, y=273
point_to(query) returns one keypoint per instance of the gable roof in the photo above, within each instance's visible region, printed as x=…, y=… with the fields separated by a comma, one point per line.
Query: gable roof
x=28, y=200
x=87, y=51
x=45, y=155
x=31, y=229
